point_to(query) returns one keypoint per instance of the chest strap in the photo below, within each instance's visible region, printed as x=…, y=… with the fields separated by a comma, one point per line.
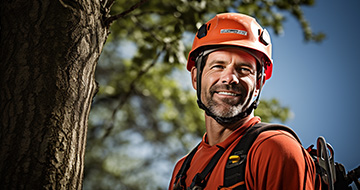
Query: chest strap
x=200, y=179
x=179, y=183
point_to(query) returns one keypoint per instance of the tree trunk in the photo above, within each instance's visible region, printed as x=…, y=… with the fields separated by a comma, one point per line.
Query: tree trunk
x=49, y=51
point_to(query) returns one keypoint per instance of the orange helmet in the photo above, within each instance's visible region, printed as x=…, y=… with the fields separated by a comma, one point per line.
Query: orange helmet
x=233, y=29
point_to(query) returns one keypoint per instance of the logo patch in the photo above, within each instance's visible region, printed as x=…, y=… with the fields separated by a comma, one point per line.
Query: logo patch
x=234, y=31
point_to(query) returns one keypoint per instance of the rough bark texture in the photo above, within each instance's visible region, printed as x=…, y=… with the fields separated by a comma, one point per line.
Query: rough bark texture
x=49, y=50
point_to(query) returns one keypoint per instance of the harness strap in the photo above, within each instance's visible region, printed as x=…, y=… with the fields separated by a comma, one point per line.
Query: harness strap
x=235, y=170
x=199, y=179
x=181, y=175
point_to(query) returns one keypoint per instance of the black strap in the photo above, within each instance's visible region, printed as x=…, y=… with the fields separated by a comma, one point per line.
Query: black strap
x=181, y=175
x=235, y=172
x=199, y=179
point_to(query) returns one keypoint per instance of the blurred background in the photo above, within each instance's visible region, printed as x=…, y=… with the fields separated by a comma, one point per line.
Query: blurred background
x=145, y=117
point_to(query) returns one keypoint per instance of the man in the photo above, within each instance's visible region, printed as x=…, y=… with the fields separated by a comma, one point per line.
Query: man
x=229, y=62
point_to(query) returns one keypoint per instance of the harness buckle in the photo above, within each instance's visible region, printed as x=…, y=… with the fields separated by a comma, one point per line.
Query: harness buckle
x=197, y=183
x=196, y=187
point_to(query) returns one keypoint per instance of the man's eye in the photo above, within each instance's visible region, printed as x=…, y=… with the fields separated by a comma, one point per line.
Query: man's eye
x=217, y=67
x=245, y=70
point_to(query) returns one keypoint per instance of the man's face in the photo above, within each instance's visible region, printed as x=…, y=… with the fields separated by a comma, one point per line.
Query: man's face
x=228, y=83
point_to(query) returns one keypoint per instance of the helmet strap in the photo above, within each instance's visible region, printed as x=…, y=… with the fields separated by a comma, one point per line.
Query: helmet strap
x=200, y=63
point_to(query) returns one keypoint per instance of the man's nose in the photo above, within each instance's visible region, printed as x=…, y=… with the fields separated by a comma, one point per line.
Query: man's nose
x=229, y=76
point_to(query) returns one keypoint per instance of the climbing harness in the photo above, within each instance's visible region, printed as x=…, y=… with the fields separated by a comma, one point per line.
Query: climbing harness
x=235, y=167
x=331, y=175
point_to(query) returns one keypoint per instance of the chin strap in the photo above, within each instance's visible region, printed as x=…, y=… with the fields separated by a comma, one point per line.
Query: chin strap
x=200, y=63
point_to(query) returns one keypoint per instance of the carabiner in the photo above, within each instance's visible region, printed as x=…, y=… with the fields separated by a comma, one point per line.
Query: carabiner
x=326, y=162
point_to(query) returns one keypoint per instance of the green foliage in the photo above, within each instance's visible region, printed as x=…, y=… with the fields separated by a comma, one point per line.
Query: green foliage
x=271, y=110
x=145, y=115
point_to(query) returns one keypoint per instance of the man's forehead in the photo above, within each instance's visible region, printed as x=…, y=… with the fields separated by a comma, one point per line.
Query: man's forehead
x=228, y=54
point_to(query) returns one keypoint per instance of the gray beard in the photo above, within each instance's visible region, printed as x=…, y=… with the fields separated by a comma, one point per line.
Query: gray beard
x=230, y=111
x=229, y=108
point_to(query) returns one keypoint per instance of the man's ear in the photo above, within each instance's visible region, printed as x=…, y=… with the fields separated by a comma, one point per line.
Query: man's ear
x=193, y=77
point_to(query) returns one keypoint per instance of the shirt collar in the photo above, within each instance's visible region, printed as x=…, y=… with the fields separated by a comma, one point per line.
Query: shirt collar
x=234, y=135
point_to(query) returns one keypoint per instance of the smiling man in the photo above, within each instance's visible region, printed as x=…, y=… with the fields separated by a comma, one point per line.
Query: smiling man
x=229, y=62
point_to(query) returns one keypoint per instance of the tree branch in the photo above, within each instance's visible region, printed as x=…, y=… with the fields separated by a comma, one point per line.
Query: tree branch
x=111, y=19
x=128, y=93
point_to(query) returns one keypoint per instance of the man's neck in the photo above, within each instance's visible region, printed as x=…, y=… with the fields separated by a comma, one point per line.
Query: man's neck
x=217, y=133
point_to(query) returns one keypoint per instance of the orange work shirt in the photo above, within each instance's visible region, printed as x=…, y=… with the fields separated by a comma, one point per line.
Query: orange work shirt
x=276, y=160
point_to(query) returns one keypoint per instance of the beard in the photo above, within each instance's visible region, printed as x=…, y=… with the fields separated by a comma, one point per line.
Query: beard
x=227, y=107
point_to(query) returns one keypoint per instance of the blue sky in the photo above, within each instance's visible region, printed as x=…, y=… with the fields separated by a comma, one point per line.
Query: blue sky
x=318, y=81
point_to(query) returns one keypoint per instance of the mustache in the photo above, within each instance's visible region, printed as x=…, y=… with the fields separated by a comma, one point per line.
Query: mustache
x=219, y=87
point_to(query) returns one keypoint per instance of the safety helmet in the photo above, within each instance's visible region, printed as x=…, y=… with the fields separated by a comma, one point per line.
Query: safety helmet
x=233, y=29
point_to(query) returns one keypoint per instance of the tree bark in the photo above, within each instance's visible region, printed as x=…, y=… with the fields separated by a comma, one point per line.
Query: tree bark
x=49, y=51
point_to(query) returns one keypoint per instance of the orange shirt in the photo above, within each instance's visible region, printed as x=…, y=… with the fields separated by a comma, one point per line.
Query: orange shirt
x=275, y=161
